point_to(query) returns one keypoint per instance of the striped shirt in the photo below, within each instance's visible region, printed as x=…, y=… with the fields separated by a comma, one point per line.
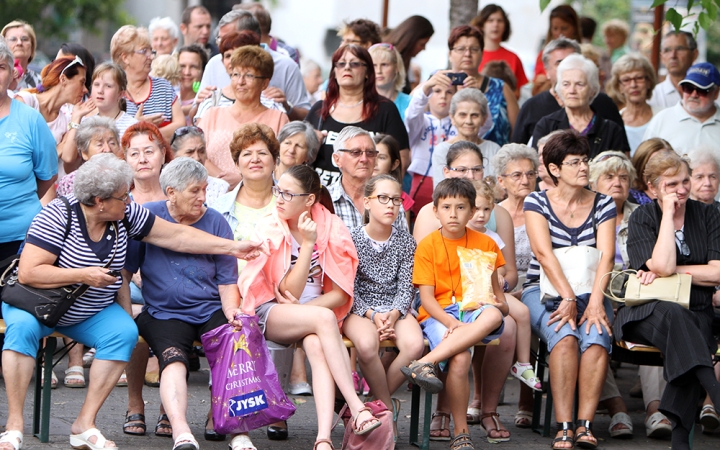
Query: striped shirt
x=560, y=235
x=79, y=251
x=160, y=100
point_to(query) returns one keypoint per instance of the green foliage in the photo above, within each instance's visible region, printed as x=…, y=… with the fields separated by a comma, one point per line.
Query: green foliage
x=56, y=18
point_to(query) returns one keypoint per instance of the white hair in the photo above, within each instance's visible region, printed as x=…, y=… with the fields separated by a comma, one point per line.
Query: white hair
x=579, y=62
x=348, y=133
x=164, y=23
x=703, y=155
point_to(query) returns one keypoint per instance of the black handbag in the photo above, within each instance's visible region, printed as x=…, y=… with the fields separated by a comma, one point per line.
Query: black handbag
x=47, y=305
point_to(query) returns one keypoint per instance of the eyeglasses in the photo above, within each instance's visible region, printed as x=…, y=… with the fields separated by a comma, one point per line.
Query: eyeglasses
x=287, y=196
x=384, y=199
x=462, y=50
x=352, y=64
x=382, y=45
x=690, y=88
x=668, y=50
x=684, y=248
x=146, y=52
x=248, y=77
x=356, y=152
x=77, y=60
x=182, y=131
x=13, y=40
x=575, y=163
x=516, y=176
x=463, y=170
x=627, y=81
x=123, y=199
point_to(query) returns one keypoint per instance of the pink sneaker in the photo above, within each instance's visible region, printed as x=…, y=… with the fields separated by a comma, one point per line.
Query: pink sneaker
x=365, y=387
x=356, y=381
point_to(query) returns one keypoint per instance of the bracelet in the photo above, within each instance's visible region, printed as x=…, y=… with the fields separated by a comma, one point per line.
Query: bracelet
x=372, y=316
x=73, y=126
x=573, y=299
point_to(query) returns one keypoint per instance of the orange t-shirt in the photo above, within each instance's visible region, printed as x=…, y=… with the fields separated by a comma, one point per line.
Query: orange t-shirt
x=432, y=267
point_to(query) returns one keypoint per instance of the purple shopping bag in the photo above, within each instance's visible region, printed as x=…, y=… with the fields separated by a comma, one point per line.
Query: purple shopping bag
x=246, y=393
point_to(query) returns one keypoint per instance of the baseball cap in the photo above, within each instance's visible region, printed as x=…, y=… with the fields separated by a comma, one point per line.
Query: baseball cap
x=703, y=75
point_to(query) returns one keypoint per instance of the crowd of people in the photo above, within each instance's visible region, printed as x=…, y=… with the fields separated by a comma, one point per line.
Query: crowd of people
x=189, y=180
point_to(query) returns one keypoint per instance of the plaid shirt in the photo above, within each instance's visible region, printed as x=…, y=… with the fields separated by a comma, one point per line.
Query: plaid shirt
x=345, y=208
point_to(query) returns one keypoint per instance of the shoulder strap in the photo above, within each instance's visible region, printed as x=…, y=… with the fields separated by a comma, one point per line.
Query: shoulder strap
x=594, y=220
x=484, y=84
x=69, y=217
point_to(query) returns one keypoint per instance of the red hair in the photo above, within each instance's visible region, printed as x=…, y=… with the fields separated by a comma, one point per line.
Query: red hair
x=51, y=73
x=468, y=31
x=152, y=132
x=371, y=99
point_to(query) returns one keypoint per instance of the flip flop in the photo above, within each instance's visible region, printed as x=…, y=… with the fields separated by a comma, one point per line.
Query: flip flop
x=82, y=440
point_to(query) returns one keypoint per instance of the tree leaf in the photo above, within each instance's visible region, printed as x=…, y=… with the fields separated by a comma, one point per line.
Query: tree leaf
x=674, y=18
x=704, y=20
x=657, y=3
x=690, y=4
x=544, y=4
x=712, y=10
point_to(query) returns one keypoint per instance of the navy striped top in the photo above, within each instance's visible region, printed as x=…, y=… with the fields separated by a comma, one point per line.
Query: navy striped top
x=160, y=100
x=560, y=235
x=79, y=251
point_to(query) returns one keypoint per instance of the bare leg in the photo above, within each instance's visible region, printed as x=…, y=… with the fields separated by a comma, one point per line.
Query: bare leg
x=520, y=313
x=564, y=375
x=135, y=375
x=593, y=369
x=323, y=385
x=75, y=355
x=17, y=371
x=364, y=336
x=498, y=360
x=410, y=345
x=298, y=373
x=458, y=389
x=173, y=393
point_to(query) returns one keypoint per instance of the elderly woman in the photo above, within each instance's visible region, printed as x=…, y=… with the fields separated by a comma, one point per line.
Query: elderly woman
x=353, y=100
x=574, y=325
x=468, y=113
x=577, y=86
x=190, y=142
x=676, y=235
x=28, y=163
x=640, y=192
x=148, y=98
x=164, y=35
x=146, y=150
x=705, y=169
x=545, y=182
x=251, y=68
x=390, y=75
x=298, y=145
x=20, y=37
x=466, y=49
x=631, y=85
x=171, y=323
x=99, y=212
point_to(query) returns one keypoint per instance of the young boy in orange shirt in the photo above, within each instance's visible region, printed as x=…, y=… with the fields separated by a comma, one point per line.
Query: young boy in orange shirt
x=437, y=275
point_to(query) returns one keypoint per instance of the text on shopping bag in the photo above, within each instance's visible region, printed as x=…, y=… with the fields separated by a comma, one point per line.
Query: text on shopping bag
x=242, y=405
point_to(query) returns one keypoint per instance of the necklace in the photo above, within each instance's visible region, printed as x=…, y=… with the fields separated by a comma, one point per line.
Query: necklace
x=118, y=114
x=453, y=286
x=343, y=105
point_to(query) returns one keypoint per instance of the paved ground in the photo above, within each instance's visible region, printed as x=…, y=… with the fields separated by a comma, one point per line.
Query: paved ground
x=66, y=404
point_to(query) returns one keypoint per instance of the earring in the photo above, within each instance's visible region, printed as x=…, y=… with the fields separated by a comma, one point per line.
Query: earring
x=101, y=209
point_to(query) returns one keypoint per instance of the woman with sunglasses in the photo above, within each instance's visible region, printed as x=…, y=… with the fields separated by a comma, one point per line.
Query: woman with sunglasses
x=302, y=291
x=675, y=234
x=149, y=98
x=352, y=100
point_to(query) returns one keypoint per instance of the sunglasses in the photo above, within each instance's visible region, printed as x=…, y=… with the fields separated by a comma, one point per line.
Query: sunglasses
x=77, y=60
x=684, y=247
x=182, y=131
x=690, y=88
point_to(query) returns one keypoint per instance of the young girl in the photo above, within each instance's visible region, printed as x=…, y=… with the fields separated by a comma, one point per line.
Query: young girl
x=383, y=291
x=311, y=258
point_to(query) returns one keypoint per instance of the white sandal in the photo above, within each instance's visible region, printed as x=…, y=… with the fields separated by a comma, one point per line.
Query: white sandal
x=622, y=433
x=525, y=372
x=654, y=428
x=12, y=437
x=82, y=440
x=76, y=374
x=709, y=419
x=242, y=442
x=186, y=441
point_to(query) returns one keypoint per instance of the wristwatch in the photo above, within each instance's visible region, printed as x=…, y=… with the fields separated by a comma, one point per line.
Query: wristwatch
x=73, y=126
x=570, y=299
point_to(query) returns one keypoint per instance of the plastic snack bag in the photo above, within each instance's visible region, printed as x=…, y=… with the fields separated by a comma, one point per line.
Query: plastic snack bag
x=476, y=269
x=246, y=392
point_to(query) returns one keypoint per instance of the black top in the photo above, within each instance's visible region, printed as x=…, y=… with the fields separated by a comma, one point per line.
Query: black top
x=544, y=104
x=387, y=120
x=604, y=134
x=702, y=234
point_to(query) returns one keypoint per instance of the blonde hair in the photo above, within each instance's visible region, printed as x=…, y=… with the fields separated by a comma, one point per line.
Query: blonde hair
x=124, y=41
x=630, y=63
x=616, y=26
x=387, y=52
x=166, y=66
x=664, y=163
x=28, y=29
x=484, y=190
x=611, y=161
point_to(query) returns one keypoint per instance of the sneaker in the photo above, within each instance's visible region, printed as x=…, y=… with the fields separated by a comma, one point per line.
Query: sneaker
x=526, y=373
x=365, y=387
x=300, y=389
x=356, y=381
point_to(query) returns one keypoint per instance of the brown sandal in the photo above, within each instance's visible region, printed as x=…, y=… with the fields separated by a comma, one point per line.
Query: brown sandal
x=362, y=428
x=323, y=441
x=497, y=430
x=462, y=441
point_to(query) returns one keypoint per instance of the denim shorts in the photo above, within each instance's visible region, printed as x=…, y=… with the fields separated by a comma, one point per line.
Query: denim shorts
x=434, y=330
x=539, y=318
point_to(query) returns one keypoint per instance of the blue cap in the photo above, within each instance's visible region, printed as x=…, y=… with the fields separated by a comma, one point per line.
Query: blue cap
x=703, y=75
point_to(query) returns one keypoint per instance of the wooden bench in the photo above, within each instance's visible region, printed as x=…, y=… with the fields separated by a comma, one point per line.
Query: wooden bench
x=423, y=444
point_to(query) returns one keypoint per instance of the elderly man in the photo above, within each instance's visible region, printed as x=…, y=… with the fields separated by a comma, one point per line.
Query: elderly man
x=695, y=121
x=286, y=85
x=548, y=102
x=195, y=28
x=355, y=154
x=678, y=51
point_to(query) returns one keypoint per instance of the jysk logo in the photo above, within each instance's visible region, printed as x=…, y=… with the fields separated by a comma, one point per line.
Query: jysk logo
x=243, y=405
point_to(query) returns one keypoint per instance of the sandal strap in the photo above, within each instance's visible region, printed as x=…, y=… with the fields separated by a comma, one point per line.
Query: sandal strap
x=585, y=424
x=461, y=441
x=323, y=441
x=362, y=425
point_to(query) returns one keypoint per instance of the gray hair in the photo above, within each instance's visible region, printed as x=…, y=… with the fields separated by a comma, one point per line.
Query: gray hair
x=561, y=43
x=513, y=152
x=5, y=52
x=311, y=141
x=190, y=132
x=703, y=155
x=181, y=173
x=470, y=95
x=91, y=127
x=689, y=38
x=611, y=161
x=164, y=23
x=101, y=176
x=579, y=62
x=348, y=133
x=308, y=66
x=245, y=21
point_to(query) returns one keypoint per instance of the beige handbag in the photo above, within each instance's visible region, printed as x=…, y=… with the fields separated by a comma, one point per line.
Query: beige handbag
x=675, y=288
x=579, y=263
